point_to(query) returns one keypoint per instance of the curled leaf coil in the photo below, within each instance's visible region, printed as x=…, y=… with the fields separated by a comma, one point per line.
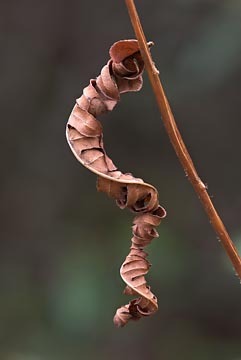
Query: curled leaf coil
x=122, y=73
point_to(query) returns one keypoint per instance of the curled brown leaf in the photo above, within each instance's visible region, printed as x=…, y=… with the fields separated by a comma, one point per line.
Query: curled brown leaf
x=122, y=73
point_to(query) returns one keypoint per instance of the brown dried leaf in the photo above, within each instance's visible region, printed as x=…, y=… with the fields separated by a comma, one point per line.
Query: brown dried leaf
x=84, y=134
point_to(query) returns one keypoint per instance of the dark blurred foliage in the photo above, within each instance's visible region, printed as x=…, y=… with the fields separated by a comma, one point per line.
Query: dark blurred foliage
x=62, y=243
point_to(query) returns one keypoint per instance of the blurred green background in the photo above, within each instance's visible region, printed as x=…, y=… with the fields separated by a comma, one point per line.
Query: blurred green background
x=62, y=243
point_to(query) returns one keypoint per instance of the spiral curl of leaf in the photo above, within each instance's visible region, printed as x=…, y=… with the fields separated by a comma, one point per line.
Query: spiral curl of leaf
x=122, y=73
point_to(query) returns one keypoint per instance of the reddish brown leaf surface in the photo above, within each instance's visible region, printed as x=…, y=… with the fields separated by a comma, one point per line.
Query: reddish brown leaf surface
x=122, y=73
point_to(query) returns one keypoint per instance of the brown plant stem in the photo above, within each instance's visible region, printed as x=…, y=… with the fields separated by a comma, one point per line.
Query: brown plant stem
x=178, y=144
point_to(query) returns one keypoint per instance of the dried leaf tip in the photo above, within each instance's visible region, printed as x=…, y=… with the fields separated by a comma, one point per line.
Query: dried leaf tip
x=122, y=49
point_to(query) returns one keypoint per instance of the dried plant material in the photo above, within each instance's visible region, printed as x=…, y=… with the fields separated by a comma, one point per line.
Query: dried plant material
x=122, y=73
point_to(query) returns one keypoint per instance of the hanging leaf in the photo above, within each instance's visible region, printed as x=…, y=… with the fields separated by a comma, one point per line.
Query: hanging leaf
x=122, y=73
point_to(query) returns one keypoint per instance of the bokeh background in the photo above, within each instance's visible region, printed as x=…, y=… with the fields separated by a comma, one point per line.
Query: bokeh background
x=62, y=243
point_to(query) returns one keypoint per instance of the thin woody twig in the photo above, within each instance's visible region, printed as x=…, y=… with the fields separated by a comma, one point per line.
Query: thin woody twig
x=177, y=141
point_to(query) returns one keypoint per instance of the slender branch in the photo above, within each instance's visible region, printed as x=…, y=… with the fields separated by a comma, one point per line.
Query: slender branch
x=177, y=141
